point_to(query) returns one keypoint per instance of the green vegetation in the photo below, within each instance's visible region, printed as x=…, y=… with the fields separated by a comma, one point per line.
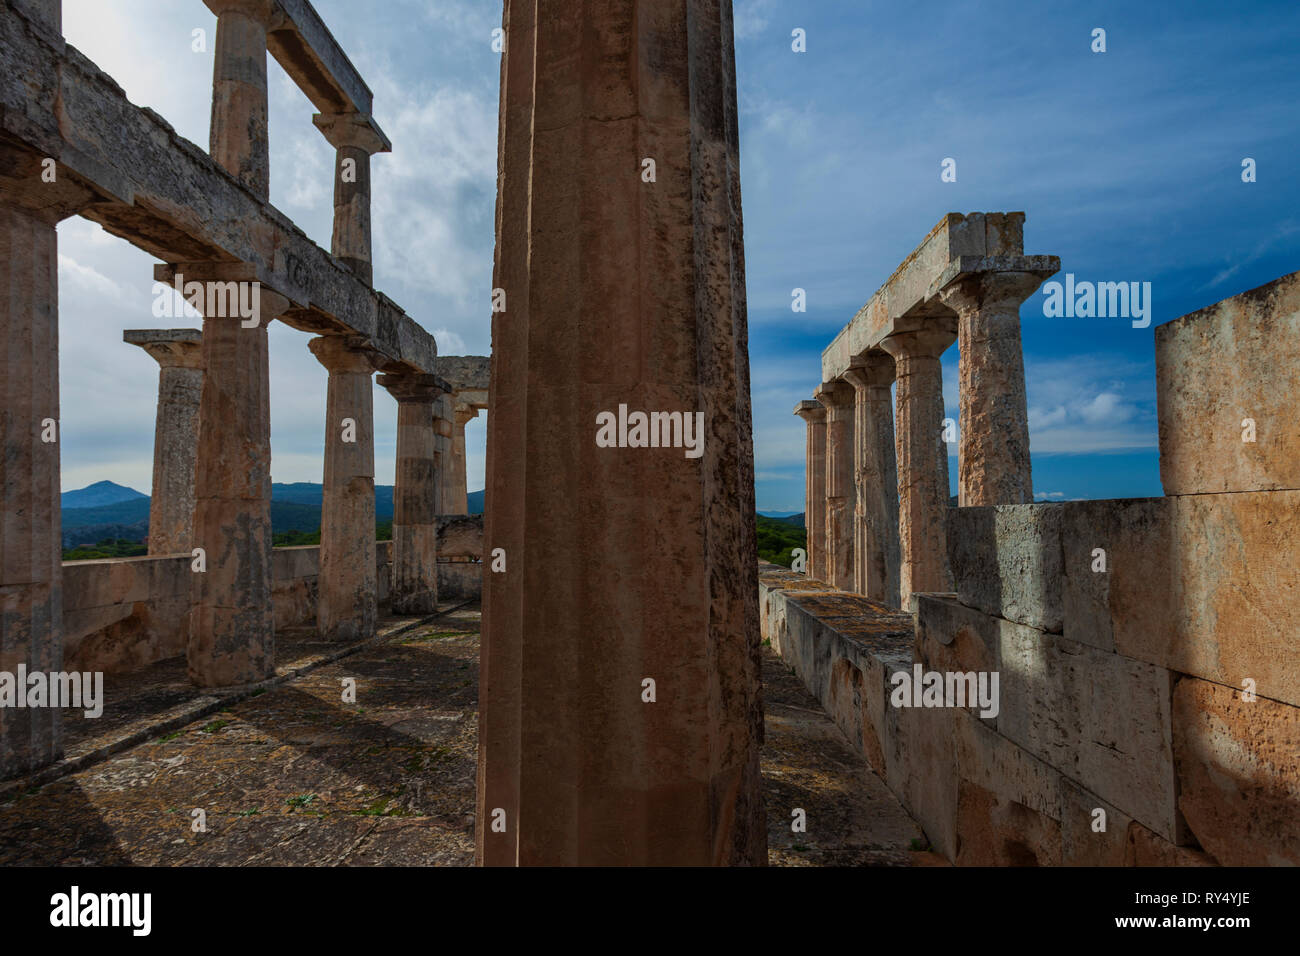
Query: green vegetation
x=295, y=538
x=108, y=548
x=777, y=537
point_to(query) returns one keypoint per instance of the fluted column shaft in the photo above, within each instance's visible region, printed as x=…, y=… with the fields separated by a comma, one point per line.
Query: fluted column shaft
x=459, y=501
x=841, y=491
x=624, y=562
x=876, y=547
x=354, y=140
x=237, y=134
x=993, y=465
x=346, y=600
x=31, y=571
x=814, y=517
x=922, y=461
x=414, y=588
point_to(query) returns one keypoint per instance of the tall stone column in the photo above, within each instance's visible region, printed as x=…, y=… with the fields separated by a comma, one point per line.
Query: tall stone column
x=841, y=493
x=237, y=134
x=922, y=461
x=179, y=354
x=31, y=570
x=623, y=564
x=443, y=427
x=232, y=638
x=356, y=139
x=459, y=501
x=814, y=484
x=875, y=546
x=993, y=451
x=414, y=588
x=346, y=605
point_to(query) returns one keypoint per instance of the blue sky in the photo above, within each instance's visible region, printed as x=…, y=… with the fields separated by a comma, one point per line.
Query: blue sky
x=1126, y=163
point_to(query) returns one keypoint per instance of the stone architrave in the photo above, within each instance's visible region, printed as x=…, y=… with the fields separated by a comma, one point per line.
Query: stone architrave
x=875, y=548
x=841, y=493
x=346, y=608
x=993, y=466
x=814, y=518
x=414, y=587
x=922, y=461
x=619, y=695
x=179, y=354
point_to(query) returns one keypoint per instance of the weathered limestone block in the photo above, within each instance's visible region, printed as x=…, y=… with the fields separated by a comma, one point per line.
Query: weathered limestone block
x=1006, y=561
x=640, y=561
x=1235, y=360
x=1238, y=773
x=1011, y=773
x=124, y=613
x=460, y=536
x=921, y=766
x=1199, y=584
x=951, y=637
x=1082, y=843
x=1145, y=848
x=997, y=831
x=295, y=573
x=1101, y=719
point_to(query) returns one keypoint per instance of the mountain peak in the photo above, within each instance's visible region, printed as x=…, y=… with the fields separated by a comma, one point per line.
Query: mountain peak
x=99, y=494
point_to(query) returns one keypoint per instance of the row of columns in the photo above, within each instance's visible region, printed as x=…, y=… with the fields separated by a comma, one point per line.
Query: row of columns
x=876, y=484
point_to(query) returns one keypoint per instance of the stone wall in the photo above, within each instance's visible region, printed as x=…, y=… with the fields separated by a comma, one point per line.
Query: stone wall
x=1146, y=648
x=124, y=613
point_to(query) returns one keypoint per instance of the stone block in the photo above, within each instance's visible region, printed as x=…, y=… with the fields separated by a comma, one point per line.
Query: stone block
x=921, y=768
x=1006, y=561
x=1101, y=719
x=1238, y=774
x=996, y=831
x=1082, y=843
x=1200, y=584
x=1235, y=360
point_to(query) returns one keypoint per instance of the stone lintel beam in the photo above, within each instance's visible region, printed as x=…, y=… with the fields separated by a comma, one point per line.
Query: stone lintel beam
x=465, y=372
x=993, y=452
x=304, y=46
x=144, y=183
x=814, y=518
x=907, y=300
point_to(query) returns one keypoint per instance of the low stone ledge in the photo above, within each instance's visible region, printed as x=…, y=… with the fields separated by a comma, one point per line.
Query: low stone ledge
x=1006, y=561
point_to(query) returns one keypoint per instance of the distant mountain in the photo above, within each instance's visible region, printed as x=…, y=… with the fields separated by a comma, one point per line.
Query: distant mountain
x=100, y=493
x=796, y=520
x=475, y=502
x=129, y=511
x=310, y=493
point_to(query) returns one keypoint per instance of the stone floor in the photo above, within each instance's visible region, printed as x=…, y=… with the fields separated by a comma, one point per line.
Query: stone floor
x=295, y=776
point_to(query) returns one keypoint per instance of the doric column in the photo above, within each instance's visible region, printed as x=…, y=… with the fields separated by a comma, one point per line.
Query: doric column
x=993, y=450
x=414, y=588
x=179, y=353
x=443, y=416
x=875, y=545
x=355, y=138
x=237, y=136
x=841, y=493
x=619, y=697
x=459, y=500
x=922, y=461
x=31, y=578
x=345, y=608
x=232, y=639
x=814, y=483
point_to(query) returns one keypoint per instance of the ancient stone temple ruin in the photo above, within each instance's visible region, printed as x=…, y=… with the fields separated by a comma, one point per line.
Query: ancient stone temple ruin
x=1147, y=711
x=212, y=588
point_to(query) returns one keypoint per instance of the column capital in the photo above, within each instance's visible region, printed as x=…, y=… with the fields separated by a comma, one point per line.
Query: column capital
x=259, y=10
x=420, y=388
x=464, y=413
x=343, y=353
x=217, y=302
x=170, y=348
x=874, y=369
x=358, y=130
x=991, y=291
x=814, y=413
x=836, y=394
x=919, y=343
